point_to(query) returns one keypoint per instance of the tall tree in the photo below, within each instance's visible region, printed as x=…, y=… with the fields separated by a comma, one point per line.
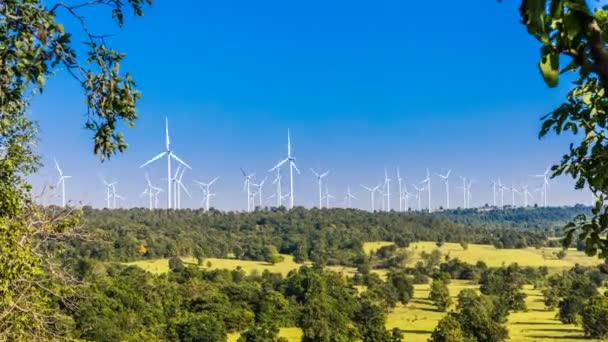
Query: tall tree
x=34, y=44
x=574, y=31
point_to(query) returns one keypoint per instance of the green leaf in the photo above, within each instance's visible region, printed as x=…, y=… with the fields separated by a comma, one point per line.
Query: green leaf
x=549, y=66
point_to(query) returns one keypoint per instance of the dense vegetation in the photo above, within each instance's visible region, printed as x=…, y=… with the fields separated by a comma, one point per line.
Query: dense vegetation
x=328, y=236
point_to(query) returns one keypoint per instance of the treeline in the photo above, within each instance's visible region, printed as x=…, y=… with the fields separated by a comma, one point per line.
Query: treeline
x=327, y=236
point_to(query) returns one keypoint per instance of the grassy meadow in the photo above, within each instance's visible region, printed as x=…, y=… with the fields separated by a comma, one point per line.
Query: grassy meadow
x=418, y=318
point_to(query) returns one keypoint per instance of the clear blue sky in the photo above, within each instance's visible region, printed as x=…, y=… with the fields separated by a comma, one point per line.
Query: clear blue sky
x=362, y=85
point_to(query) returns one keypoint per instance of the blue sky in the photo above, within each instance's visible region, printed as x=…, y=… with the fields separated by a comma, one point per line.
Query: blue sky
x=361, y=85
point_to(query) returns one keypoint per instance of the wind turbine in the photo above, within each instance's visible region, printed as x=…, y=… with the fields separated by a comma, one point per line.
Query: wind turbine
x=446, y=178
x=406, y=197
x=469, y=195
x=387, y=190
x=278, y=194
x=180, y=186
x=319, y=178
x=427, y=182
x=513, y=192
x=260, y=187
x=399, y=184
x=292, y=165
x=493, y=191
x=327, y=196
x=501, y=189
x=169, y=154
x=526, y=193
x=206, y=187
x=247, y=186
x=545, y=177
x=61, y=181
x=108, y=191
x=418, y=195
x=151, y=191
x=349, y=197
x=372, y=192
x=464, y=192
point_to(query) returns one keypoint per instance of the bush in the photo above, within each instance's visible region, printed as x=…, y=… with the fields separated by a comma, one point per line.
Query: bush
x=176, y=264
x=440, y=295
x=595, y=318
x=448, y=330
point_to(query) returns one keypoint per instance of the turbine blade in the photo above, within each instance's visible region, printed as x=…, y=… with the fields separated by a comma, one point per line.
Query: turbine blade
x=158, y=156
x=279, y=164
x=167, y=142
x=184, y=188
x=213, y=181
x=295, y=167
x=179, y=160
x=58, y=168
x=314, y=172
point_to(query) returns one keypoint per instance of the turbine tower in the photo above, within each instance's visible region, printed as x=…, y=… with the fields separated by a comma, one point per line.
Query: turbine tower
x=513, y=192
x=418, y=195
x=260, y=187
x=372, y=192
x=108, y=191
x=501, y=189
x=319, y=178
x=292, y=166
x=427, y=182
x=399, y=185
x=494, y=183
x=61, y=181
x=464, y=192
x=387, y=190
x=328, y=196
x=446, y=178
x=169, y=154
x=247, y=186
x=545, y=177
x=526, y=193
x=180, y=186
x=277, y=182
x=206, y=188
x=348, y=198
x=151, y=191
x=469, y=195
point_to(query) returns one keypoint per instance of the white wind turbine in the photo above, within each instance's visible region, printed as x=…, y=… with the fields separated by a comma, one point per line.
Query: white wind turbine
x=260, y=187
x=545, y=177
x=501, y=189
x=427, y=183
x=469, y=194
x=328, y=196
x=399, y=184
x=248, y=178
x=446, y=178
x=526, y=193
x=406, y=197
x=372, y=192
x=464, y=192
x=493, y=185
x=387, y=190
x=319, y=178
x=419, y=195
x=513, y=192
x=108, y=191
x=61, y=182
x=169, y=154
x=292, y=165
x=151, y=191
x=348, y=198
x=180, y=186
x=206, y=188
x=277, y=182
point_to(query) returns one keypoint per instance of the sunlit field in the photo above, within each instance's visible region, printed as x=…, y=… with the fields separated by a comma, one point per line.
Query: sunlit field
x=158, y=266
x=495, y=257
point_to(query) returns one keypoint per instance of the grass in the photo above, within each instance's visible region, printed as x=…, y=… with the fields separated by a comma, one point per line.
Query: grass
x=496, y=257
x=291, y=334
x=159, y=266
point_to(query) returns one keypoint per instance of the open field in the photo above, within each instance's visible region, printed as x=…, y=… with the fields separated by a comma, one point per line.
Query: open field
x=158, y=266
x=496, y=257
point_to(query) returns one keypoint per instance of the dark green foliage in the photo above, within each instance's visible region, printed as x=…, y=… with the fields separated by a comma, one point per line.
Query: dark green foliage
x=200, y=327
x=505, y=283
x=595, y=317
x=480, y=317
x=440, y=295
x=402, y=285
x=448, y=330
x=570, y=308
x=331, y=237
x=370, y=320
x=262, y=332
x=176, y=264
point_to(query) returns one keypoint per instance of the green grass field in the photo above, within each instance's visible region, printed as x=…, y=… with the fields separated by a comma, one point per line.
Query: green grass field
x=418, y=318
x=158, y=266
x=495, y=257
